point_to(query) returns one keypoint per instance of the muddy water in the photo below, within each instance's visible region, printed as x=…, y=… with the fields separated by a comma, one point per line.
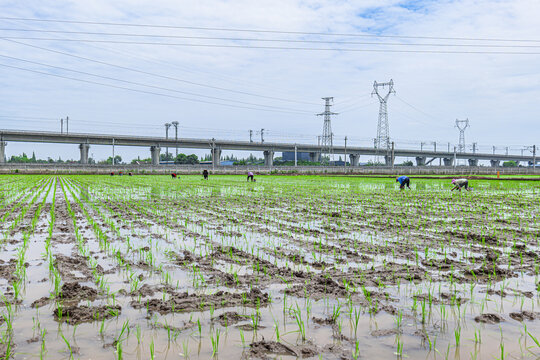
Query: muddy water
x=330, y=276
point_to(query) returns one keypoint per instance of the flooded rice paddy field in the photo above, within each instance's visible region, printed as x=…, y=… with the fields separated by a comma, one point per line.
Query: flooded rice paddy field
x=150, y=267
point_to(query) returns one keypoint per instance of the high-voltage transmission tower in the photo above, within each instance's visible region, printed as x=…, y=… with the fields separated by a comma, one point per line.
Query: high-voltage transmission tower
x=383, y=138
x=327, y=145
x=462, y=125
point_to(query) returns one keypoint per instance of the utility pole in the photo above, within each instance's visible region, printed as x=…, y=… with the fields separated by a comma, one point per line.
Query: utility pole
x=493, y=150
x=295, y=156
x=392, y=154
x=67, y=124
x=175, y=124
x=474, y=148
x=383, y=137
x=213, y=152
x=534, y=157
x=61, y=126
x=113, y=151
x=455, y=157
x=250, y=136
x=167, y=126
x=345, y=155
x=262, y=136
x=462, y=125
x=327, y=135
x=507, y=150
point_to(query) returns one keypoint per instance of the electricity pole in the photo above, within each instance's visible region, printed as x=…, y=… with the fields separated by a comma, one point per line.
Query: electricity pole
x=345, y=155
x=327, y=135
x=383, y=137
x=534, y=157
x=262, y=135
x=175, y=124
x=61, y=126
x=250, y=136
x=462, y=125
x=167, y=126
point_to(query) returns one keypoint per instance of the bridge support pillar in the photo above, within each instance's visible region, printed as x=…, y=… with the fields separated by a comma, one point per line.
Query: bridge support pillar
x=154, y=152
x=473, y=162
x=355, y=159
x=314, y=157
x=3, y=152
x=388, y=160
x=84, y=153
x=495, y=163
x=420, y=160
x=216, y=156
x=448, y=161
x=268, y=157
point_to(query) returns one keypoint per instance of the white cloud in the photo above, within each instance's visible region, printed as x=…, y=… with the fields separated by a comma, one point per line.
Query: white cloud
x=497, y=92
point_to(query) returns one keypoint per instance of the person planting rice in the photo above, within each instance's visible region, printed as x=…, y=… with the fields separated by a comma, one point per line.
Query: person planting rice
x=460, y=183
x=250, y=176
x=173, y=175
x=205, y=174
x=403, y=181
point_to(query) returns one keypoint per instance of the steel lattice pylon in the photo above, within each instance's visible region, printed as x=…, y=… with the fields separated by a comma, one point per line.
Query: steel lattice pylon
x=327, y=144
x=383, y=138
x=462, y=125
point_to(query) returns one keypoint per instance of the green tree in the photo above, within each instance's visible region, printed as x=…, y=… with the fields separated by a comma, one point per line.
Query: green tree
x=510, y=164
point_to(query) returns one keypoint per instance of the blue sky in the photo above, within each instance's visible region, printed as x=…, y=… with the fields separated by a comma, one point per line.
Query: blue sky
x=497, y=92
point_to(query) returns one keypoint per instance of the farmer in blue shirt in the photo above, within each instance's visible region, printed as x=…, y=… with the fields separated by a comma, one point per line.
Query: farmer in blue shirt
x=403, y=181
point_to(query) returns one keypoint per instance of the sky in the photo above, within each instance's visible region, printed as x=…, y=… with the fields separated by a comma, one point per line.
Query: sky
x=221, y=68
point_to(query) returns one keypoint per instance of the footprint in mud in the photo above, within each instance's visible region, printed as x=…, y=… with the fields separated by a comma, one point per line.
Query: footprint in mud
x=260, y=349
x=385, y=332
x=489, y=318
x=70, y=292
x=79, y=314
x=525, y=315
x=230, y=318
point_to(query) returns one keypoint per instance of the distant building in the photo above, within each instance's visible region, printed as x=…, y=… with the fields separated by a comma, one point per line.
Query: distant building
x=337, y=163
x=300, y=156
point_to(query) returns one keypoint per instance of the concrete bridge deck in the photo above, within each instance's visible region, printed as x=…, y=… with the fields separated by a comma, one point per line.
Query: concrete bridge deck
x=268, y=148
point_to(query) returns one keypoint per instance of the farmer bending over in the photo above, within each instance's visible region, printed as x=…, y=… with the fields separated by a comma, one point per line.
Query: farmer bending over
x=460, y=183
x=173, y=175
x=250, y=176
x=205, y=174
x=403, y=181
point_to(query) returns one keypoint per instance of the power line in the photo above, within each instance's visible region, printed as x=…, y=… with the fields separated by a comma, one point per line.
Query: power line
x=153, y=74
x=415, y=108
x=215, y=74
x=264, y=31
x=258, y=39
x=274, y=47
x=140, y=91
x=151, y=86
